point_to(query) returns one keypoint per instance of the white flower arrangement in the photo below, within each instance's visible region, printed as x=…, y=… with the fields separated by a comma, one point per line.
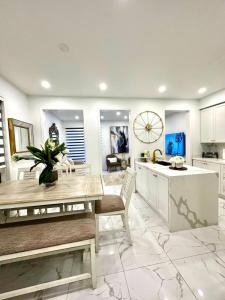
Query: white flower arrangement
x=177, y=161
x=51, y=144
x=146, y=153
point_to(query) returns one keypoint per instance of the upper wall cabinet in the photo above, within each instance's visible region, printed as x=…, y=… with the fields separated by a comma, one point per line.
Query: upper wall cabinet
x=213, y=124
x=207, y=126
x=219, y=113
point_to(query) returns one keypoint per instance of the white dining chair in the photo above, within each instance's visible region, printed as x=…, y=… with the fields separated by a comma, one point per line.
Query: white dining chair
x=114, y=205
x=82, y=170
x=25, y=173
x=63, y=168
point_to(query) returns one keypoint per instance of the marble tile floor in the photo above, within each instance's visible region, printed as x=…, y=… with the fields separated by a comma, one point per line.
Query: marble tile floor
x=160, y=265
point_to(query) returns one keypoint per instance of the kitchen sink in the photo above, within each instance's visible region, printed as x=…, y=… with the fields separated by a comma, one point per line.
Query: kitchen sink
x=163, y=163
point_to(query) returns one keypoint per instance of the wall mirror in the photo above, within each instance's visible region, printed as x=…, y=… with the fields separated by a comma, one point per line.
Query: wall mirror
x=20, y=136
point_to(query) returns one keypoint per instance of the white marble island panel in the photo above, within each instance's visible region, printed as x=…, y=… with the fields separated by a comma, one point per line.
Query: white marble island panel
x=184, y=199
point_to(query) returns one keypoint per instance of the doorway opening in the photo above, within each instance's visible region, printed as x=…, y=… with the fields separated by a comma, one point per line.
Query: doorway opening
x=70, y=126
x=115, y=140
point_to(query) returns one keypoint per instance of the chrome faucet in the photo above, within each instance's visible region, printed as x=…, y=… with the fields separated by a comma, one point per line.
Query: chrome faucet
x=154, y=156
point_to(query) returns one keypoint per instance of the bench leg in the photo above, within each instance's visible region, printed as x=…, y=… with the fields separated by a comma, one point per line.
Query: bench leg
x=97, y=233
x=93, y=265
x=125, y=220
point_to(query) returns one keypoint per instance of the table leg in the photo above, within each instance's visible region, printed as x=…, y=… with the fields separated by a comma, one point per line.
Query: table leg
x=30, y=211
x=3, y=216
x=86, y=206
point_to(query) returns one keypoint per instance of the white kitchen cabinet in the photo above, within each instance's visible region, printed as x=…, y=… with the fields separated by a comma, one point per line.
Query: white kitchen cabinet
x=207, y=125
x=158, y=193
x=142, y=181
x=213, y=124
x=222, y=180
x=199, y=164
x=209, y=166
x=154, y=189
x=139, y=180
x=219, y=114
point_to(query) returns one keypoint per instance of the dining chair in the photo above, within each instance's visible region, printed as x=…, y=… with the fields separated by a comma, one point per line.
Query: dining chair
x=25, y=173
x=63, y=168
x=73, y=164
x=82, y=170
x=114, y=205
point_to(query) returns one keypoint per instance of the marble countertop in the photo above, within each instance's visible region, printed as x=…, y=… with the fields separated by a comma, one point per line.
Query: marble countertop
x=213, y=160
x=166, y=171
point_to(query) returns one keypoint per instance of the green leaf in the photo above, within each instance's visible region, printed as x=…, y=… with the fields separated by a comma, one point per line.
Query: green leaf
x=35, y=165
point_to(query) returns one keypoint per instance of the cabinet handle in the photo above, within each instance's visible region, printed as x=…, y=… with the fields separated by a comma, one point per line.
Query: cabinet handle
x=155, y=175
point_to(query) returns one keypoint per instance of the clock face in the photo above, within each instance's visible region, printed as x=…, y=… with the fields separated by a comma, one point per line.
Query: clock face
x=148, y=127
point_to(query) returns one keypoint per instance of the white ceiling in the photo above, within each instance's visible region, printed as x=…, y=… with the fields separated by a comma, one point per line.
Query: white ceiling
x=132, y=45
x=67, y=115
x=111, y=115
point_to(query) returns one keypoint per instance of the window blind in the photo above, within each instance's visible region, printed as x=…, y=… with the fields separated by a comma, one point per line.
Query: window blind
x=2, y=150
x=75, y=143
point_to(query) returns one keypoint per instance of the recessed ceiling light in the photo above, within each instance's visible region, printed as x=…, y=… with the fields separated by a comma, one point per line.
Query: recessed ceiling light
x=103, y=86
x=45, y=84
x=162, y=88
x=63, y=47
x=202, y=90
x=77, y=117
x=125, y=117
x=118, y=113
x=200, y=292
x=102, y=117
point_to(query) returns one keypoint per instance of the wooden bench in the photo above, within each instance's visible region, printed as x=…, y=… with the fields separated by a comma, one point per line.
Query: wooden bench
x=44, y=238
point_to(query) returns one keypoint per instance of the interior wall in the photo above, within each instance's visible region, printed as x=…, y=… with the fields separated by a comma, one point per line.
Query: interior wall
x=208, y=101
x=91, y=109
x=176, y=122
x=105, y=140
x=216, y=98
x=16, y=106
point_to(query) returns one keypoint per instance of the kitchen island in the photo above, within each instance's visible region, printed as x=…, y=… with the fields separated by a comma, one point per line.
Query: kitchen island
x=184, y=199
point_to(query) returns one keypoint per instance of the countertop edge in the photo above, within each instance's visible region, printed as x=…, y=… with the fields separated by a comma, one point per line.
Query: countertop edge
x=161, y=172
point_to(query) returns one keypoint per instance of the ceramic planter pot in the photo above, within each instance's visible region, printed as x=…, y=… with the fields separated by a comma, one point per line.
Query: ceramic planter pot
x=52, y=179
x=179, y=165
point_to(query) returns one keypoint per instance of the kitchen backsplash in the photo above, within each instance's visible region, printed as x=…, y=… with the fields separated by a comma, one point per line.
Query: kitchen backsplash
x=213, y=148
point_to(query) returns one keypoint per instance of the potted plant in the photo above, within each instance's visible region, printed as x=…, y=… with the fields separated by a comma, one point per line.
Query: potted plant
x=49, y=155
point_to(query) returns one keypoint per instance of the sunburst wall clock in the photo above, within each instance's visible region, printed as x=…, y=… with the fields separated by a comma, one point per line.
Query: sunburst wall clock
x=148, y=127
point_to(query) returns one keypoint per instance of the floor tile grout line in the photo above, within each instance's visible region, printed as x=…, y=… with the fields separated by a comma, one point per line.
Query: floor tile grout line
x=175, y=268
x=128, y=288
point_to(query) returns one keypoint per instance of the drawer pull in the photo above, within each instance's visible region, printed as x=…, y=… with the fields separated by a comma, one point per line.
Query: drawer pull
x=155, y=175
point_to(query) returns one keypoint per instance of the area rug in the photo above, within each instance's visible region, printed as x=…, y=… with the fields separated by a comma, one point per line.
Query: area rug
x=113, y=179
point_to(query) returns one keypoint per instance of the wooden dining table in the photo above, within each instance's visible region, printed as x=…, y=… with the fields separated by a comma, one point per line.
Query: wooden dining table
x=30, y=196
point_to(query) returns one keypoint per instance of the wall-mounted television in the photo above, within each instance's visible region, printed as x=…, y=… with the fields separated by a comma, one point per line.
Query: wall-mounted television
x=175, y=144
